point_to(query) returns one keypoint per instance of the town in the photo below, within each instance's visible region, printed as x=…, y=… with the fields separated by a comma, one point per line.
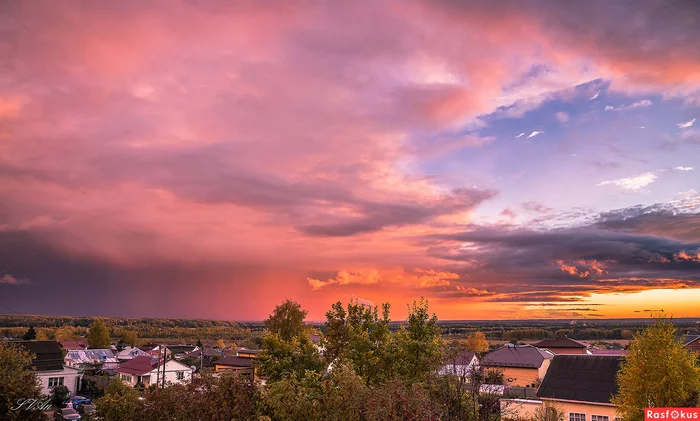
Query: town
x=359, y=364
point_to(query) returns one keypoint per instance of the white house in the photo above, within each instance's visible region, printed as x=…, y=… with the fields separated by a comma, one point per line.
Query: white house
x=49, y=368
x=129, y=353
x=148, y=371
x=461, y=364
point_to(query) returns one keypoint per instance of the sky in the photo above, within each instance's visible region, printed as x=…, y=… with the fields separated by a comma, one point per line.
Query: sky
x=210, y=159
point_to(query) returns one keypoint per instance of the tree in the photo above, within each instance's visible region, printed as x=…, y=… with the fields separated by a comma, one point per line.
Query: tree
x=221, y=344
x=98, y=336
x=199, y=344
x=659, y=372
x=30, y=335
x=129, y=337
x=66, y=333
x=287, y=320
x=418, y=345
x=17, y=384
x=59, y=394
x=120, y=403
x=477, y=343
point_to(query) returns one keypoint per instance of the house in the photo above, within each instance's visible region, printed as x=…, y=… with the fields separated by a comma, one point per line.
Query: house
x=462, y=364
x=49, y=366
x=208, y=353
x=522, y=366
x=609, y=352
x=148, y=370
x=240, y=365
x=247, y=353
x=129, y=353
x=180, y=351
x=101, y=358
x=73, y=345
x=692, y=342
x=563, y=346
x=582, y=386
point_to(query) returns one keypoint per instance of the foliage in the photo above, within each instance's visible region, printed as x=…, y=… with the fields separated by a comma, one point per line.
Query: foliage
x=59, y=394
x=477, y=343
x=17, y=382
x=30, y=335
x=220, y=344
x=418, y=347
x=360, y=337
x=130, y=337
x=549, y=412
x=659, y=372
x=287, y=321
x=120, y=403
x=199, y=343
x=279, y=359
x=69, y=333
x=98, y=336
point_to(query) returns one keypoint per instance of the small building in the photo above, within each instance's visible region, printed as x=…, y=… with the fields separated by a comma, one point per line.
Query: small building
x=103, y=359
x=148, y=370
x=49, y=366
x=608, y=352
x=128, y=353
x=563, y=346
x=582, y=386
x=462, y=364
x=692, y=342
x=247, y=353
x=240, y=365
x=522, y=366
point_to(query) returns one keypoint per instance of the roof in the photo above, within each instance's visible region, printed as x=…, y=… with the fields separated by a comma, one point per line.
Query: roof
x=90, y=356
x=208, y=352
x=584, y=378
x=526, y=356
x=180, y=349
x=688, y=339
x=617, y=352
x=560, y=343
x=48, y=354
x=235, y=362
x=138, y=365
x=70, y=345
x=463, y=358
x=128, y=353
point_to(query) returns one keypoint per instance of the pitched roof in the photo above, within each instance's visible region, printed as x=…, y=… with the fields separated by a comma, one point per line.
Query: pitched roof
x=463, y=358
x=48, y=354
x=560, y=343
x=138, y=365
x=617, y=352
x=71, y=345
x=92, y=356
x=526, y=356
x=235, y=362
x=180, y=349
x=687, y=339
x=584, y=378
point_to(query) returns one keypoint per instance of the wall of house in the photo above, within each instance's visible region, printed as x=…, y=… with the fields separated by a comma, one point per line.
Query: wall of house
x=695, y=346
x=171, y=370
x=519, y=408
x=521, y=376
x=584, y=408
x=71, y=377
x=568, y=351
x=543, y=368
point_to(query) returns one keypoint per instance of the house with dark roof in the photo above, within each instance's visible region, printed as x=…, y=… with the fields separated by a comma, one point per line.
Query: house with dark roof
x=582, y=386
x=49, y=366
x=73, y=345
x=563, y=345
x=523, y=365
x=240, y=365
x=148, y=370
x=461, y=364
x=691, y=341
x=103, y=359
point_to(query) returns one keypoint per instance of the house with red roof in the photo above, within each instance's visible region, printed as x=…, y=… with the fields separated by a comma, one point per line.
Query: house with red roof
x=563, y=345
x=148, y=370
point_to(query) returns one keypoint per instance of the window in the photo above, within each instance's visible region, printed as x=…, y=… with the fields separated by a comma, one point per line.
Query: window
x=181, y=376
x=600, y=418
x=55, y=381
x=575, y=416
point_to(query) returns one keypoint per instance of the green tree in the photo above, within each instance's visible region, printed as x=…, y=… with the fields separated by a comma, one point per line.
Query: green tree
x=98, y=336
x=130, y=337
x=418, y=346
x=59, y=394
x=199, y=344
x=30, y=335
x=17, y=383
x=120, y=403
x=360, y=337
x=287, y=321
x=658, y=372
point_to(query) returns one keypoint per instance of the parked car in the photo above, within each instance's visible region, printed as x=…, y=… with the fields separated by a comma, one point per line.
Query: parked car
x=87, y=409
x=80, y=400
x=66, y=414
